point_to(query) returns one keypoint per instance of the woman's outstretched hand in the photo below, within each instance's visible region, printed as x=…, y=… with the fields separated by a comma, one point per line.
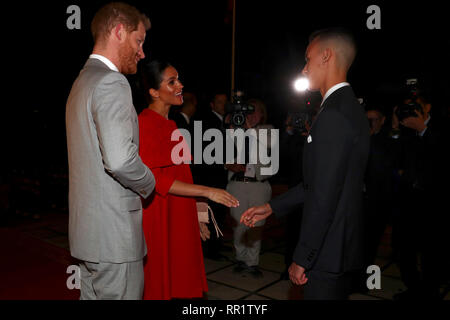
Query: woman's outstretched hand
x=222, y=197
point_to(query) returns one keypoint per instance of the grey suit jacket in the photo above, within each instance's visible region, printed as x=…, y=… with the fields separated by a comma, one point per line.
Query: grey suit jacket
x=106, y=174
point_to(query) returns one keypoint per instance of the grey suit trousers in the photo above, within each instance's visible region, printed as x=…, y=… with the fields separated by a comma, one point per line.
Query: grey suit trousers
x=112, y=281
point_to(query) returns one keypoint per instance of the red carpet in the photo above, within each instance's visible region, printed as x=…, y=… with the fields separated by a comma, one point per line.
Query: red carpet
x=32, y=269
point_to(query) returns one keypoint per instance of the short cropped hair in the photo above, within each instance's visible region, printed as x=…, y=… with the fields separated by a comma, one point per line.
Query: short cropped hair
x=114, y=13
x=343, y=38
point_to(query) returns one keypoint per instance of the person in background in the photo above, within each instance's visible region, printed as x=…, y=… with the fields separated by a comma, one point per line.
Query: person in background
x=379, y=188
x=421, y=221
x=251, y=188
x=214, y=174
x=183, y=117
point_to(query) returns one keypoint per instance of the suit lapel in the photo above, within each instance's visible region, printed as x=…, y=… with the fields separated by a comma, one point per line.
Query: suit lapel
x=320, y=111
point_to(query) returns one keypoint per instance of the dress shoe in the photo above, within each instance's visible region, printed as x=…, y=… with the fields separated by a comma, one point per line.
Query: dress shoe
x=240, y=267
x=255, y=272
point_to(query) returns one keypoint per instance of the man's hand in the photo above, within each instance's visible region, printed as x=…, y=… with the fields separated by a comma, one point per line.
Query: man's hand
x=255, y=214
x=416, y=123
x=297, y=274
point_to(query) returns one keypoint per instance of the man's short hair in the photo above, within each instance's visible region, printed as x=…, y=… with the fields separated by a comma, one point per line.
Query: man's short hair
x=215, y=93
x=344, y=40
x=114, y=13
x=380, y=109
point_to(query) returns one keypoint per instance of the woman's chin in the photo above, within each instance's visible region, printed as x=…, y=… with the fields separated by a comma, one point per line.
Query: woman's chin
x=178, y=101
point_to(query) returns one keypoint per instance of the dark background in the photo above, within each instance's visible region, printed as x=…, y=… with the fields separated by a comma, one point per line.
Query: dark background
x=44, y=57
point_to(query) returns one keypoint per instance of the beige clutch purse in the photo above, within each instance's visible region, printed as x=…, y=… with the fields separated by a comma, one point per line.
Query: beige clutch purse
x=202, y=211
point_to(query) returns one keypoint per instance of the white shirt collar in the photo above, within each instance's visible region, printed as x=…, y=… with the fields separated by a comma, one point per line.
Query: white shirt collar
x=185, y=117
x=218, y=114
x=333, y=89
x=105, y=61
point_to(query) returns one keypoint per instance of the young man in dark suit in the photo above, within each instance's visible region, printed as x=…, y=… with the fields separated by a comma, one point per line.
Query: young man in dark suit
x=334, y=161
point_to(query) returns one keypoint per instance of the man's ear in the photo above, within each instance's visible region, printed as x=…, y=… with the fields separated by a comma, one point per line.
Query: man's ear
x=119, y=32
x=153, y=93
x=383, y=118
x=326, y=55
x=427, y=107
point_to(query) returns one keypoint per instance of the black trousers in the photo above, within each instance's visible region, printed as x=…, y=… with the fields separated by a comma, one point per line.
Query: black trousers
x=327, y=286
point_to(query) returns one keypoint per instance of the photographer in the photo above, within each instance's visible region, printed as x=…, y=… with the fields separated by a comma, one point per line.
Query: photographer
x=378, y=181
x=251, y=188
x=418, y=226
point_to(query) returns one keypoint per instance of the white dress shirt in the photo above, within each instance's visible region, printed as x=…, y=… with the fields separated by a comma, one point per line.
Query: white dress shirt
x=218, y=115
x=105, y=60
x=426, y=124
x=185, y=116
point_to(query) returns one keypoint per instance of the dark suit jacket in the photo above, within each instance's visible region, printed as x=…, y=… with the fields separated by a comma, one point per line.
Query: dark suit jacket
x=213, y=175
x=180, y=120
x=334, y=162
x=421, y=159
x=382, y=161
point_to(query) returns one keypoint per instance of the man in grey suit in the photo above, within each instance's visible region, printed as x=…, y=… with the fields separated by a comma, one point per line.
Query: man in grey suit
x=106, y=174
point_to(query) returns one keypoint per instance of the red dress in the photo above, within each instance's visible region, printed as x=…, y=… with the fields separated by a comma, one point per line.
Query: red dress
x=174, y=265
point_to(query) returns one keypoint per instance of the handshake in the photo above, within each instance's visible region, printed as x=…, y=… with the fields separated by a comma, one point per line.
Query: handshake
x=255, y=214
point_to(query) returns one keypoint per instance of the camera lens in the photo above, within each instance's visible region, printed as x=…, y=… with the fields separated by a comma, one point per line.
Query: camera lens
x=238, y=119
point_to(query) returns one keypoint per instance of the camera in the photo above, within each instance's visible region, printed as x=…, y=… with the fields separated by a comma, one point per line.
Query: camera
x=298, y=121
x=408, y=109
x=238, y=110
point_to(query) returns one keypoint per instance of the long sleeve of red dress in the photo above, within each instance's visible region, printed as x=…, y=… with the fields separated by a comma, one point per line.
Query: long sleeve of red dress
x=174, y=265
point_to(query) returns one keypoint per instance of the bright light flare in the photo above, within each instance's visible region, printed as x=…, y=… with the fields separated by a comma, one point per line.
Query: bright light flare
x=301, y=84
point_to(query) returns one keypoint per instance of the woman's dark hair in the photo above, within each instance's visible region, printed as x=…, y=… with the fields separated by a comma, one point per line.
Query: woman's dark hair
x=152, y=73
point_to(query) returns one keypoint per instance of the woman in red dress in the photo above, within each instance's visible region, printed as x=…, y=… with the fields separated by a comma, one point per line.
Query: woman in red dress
x=174, y=266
